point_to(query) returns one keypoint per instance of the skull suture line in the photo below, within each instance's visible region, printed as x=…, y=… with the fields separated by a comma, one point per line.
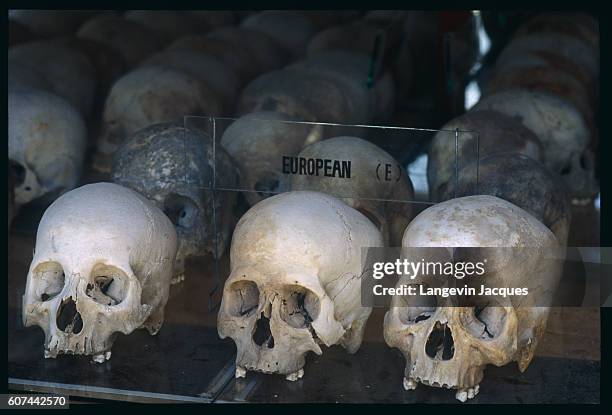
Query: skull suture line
x=448, y=345
x=102, y=265
x=295, y=281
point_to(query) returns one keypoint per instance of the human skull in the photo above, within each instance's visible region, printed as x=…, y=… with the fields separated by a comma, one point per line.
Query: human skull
x=267, y=53
x=69, y=72
x=291, y=30
x=108, y=63
x=47, y=143
x=385, y=202
x=351, y=69
x=561, y=129
x=304, y=96
x=257, y=142
x=149, y=95
x=570, y=48
x=133, y=41
x=220, y=78
x=235, y=55
x=295, y=281
x=523, y=182
x=172, y=166
x=480, y=134
x=102, y=266
x=447, y=344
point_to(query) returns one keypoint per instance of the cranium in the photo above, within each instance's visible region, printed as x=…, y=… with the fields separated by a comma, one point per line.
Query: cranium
x=47, y=142
x=351, y=70
x=267, y=52
x=131, y=40
x=220, y=78
x=295, y=281
x=385, y=202
x=496, y=133
x=172, y=166
x=523, y=182
x=257, y=142
x=102, y=266
x=69, y=73
x=291, y=30
x=150, y=95
x=561, y=129
x=298, y=94
x=234, y=54
x=448, y=344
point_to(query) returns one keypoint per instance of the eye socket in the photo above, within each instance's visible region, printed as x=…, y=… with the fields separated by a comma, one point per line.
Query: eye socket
x=243, y=298
x=181, y=210
x=109, y=286
x=299, y=306
x=485, y=321
x=49, y=277
x=414, y=309
x=19, y=172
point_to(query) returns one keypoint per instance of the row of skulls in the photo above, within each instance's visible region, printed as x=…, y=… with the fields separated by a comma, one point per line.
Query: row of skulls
x=203, y=63
x=299, y=290
x=295, y=259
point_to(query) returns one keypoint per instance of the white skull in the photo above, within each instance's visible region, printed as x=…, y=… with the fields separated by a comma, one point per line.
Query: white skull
x=295, y=281
x=47, y=142
x=447, y=345
x=561, y=128
x=69, y=73
x=385, y=202
x=258, y=141
x=150, y=95
x=102, y=266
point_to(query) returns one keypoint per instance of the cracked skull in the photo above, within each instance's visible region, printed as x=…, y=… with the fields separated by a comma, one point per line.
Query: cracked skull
x=448, y=341
x=295, y=282
x=102, y=266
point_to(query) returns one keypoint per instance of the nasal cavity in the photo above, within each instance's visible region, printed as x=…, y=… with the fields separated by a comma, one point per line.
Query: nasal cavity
x=262, y=334
x=440, y=345
x=68, y=318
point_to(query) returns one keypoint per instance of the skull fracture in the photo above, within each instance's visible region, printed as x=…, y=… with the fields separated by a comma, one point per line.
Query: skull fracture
x=102, y=265
x=295, y=282
x=447, y=344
